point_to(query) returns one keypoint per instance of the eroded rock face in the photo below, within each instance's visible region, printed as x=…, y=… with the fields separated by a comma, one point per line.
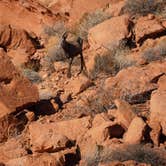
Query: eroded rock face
x=158, y=112
x=147, y=27
x=109, y=33
x=17, y=13
x=16, y=91
x=135, y=83
x=12, y=38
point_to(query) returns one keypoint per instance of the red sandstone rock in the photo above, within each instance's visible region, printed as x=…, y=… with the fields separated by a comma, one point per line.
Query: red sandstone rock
x=12, y=38
x=158, y=112
x=106, y=34
x=147, y=27
x=133, y=83
x=135, y=131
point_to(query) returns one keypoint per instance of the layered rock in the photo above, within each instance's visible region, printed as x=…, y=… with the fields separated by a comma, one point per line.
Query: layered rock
x=17, y=13
x=12, y=39
x=17, y=93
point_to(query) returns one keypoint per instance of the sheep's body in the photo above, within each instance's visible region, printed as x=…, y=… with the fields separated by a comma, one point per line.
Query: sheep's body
x=72, y=49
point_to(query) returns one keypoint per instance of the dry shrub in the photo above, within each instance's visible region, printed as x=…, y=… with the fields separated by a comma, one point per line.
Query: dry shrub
x=142, y=7
x=112, y=61
x=89, y=20
x=138, y=153
x=155, y=53
x=98, y=102
x=32, y=75
x=56, y=30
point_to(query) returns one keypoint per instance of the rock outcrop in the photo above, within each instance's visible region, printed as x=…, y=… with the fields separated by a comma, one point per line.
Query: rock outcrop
x=12, y=39
x=17, y=93
x=135, y=83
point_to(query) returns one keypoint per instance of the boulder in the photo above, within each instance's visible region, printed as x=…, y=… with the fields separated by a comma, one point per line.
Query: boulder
x=162, y=83
x=158, y=112
x=135, y=83
x=72, y=129
x=115, y=8
x=49, y=141
x=124, y=113
x=103, y=132
x=12, y=38
x=106, y=34
x=135, y=131
x=147, y=27
x=78, y=85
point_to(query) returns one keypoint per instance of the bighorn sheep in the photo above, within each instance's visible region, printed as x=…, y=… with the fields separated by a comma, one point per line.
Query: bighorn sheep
x=72, y=49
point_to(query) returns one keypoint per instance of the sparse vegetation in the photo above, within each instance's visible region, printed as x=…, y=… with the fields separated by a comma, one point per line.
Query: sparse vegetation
x=32, y=64
x=155, y=53
x=142, y=7
x=112, y=61
x=89, y=20
x=57, y=30
x=31, y=75
x=96, y=103
x=139, y=153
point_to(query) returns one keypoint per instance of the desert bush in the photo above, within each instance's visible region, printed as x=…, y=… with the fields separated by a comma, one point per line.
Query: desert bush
x=94, y=104
x=31, y=75
x=89, y=20
x=112, y=61
x=32, y=64
x=142, y=7
x=56, y=30
x=138, y=153
x=155, y=53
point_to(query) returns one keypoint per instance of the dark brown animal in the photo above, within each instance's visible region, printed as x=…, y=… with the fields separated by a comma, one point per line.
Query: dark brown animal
x=73, y=49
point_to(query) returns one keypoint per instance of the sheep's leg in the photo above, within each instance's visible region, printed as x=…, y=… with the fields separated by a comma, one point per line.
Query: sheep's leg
x=69, y=68
x=82, y=63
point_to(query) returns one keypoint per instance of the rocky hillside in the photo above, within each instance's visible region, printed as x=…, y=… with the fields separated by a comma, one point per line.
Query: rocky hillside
x=82, y=83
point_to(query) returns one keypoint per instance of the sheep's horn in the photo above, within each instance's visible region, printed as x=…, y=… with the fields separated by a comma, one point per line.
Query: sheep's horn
x=65, y=34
